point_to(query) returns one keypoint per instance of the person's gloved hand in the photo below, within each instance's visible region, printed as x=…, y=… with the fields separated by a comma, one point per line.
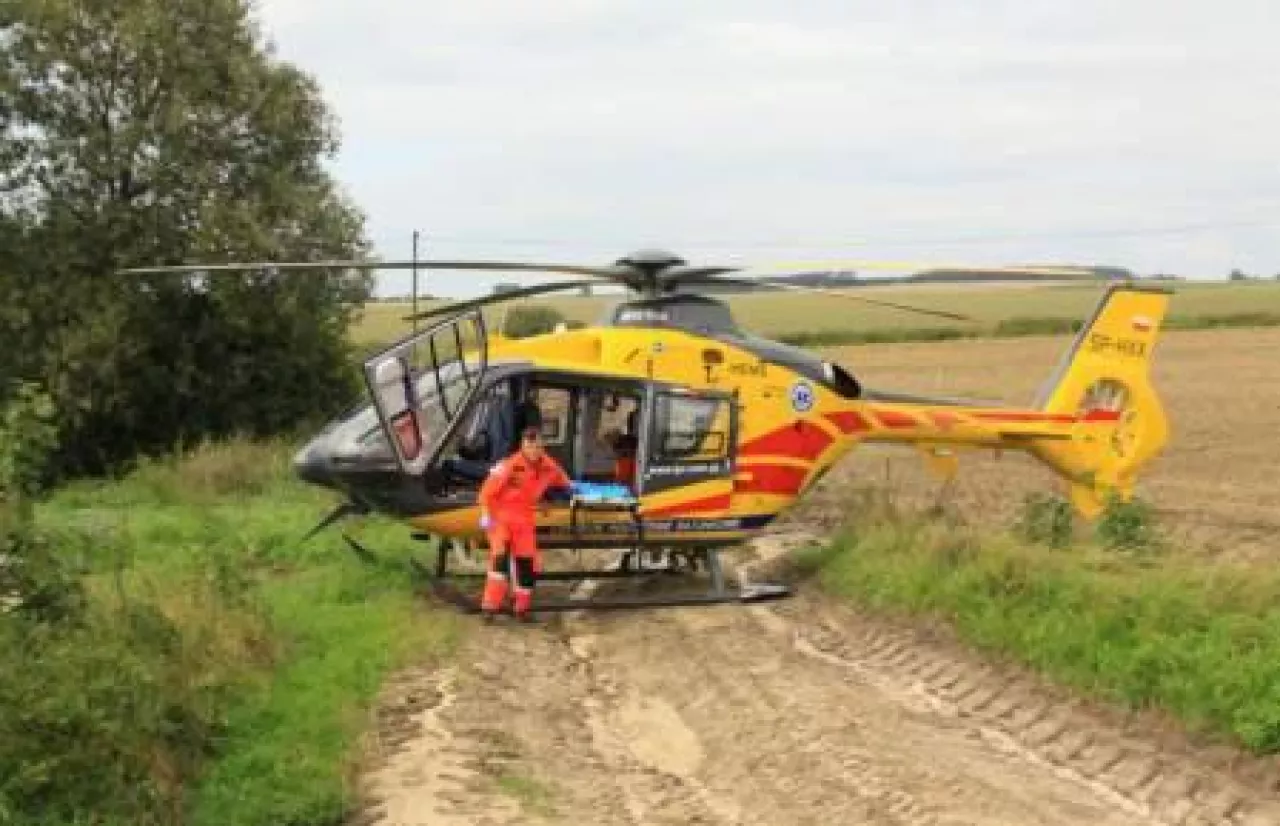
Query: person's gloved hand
x=485, y=522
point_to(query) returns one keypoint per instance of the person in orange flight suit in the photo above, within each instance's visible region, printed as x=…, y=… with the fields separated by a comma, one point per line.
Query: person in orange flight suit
x=624, y=465
x=508, y=501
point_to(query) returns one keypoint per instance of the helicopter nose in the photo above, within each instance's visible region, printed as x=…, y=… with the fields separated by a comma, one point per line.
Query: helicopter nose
x=312, y=464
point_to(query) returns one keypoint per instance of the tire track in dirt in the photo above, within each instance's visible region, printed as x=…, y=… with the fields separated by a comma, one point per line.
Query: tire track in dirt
x=799, y=712
x=1149, y=783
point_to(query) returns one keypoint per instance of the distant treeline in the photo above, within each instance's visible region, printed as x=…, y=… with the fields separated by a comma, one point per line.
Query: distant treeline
x=1015, y=327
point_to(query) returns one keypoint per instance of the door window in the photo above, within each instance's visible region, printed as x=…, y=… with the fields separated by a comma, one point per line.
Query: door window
x=609, y=422
x=691, y=429
x=554, y=404
x=555, y=411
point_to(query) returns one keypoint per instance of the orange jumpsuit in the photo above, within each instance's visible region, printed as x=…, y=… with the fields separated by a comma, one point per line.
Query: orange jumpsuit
x=624, y=470
x=510, y=496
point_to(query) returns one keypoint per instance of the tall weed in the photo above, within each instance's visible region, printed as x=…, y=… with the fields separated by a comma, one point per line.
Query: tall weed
x=1047, y=520
x=1129, y=526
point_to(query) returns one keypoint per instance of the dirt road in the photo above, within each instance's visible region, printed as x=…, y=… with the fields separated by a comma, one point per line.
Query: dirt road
x=797, y=712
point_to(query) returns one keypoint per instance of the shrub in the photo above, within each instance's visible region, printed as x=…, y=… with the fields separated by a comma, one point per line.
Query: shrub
x=888, y=335
x=116, y=714
x=34, y=580
x=1128, y=526
x=522, y=322
x=27, y=437
x=1036, y=326
x=1046, y=520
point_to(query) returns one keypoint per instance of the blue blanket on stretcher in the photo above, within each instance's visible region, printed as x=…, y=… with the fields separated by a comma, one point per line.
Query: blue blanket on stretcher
x=602, y=492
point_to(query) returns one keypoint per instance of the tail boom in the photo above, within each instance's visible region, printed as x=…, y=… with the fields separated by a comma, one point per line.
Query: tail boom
x=1099, y=422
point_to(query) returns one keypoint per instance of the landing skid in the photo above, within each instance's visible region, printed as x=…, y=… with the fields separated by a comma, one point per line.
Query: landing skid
x=645, y=565
x=746, y=594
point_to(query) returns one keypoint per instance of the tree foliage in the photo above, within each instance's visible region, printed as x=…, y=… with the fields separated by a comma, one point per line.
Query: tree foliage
x=522, y=322
x=140, y=132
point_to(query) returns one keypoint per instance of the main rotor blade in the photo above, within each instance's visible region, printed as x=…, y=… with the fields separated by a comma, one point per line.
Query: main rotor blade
x=509, y=295
x=798, y=288
x=611, y=273
x=926, y=267
x=926, y=271
x=677, y=275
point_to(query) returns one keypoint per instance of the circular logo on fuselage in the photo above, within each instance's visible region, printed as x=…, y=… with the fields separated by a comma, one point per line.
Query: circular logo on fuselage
x=802, y=397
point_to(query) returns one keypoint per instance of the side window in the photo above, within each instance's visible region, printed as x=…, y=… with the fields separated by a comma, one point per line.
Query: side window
x=554, y=403
x=618, y=420
x=609, y=423
x=488, y=429
x=691, y=429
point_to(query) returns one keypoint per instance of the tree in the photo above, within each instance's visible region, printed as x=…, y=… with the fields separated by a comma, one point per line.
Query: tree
x=534, y=320
x=138, y=132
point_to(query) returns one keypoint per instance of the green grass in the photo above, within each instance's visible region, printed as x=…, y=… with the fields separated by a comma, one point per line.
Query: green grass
x=532, y=795
x=833, y=321
x=228, y=667
x=1146, y=627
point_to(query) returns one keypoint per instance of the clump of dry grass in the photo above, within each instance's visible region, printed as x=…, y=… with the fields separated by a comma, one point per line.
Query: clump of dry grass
x=214, y=471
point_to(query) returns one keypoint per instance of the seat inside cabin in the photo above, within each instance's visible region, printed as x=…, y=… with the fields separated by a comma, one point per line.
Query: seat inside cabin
x=592, y=430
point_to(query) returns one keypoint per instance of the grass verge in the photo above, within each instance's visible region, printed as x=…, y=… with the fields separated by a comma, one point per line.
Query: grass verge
x=221, y=672
x=1136, y=625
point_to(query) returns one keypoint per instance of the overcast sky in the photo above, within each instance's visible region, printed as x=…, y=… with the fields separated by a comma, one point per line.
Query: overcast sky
x=1141, y=133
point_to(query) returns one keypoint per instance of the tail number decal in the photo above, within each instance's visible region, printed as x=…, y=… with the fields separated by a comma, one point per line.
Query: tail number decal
x=1111, y=345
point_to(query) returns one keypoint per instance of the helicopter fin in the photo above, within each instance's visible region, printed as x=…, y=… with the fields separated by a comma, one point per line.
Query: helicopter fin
x=1105, y=376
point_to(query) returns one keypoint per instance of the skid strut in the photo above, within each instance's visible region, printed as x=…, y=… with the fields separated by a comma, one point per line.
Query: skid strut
x=632, y=565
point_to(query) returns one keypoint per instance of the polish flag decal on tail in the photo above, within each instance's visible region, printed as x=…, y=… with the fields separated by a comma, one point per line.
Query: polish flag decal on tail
x=1142, y=324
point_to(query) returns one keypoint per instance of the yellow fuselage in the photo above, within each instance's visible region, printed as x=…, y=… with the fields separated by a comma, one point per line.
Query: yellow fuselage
x=791, y=428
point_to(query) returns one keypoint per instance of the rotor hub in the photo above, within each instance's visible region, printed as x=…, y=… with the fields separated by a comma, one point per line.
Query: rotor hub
x=651, y=261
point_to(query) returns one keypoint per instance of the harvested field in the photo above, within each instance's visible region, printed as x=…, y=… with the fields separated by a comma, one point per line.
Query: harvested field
x=1215, y=486
x=786, y=314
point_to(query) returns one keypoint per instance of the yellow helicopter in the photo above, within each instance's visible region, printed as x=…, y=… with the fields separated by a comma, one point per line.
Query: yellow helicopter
x=720, y=430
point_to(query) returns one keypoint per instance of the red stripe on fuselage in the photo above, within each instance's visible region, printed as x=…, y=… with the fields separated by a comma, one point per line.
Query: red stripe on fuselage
x=800, y=440
x=1054, y=418
x=848, y=422
x=779, y=480
x=708, y=503
x=944, y=420
x=896, y=420
x=1101, y=416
